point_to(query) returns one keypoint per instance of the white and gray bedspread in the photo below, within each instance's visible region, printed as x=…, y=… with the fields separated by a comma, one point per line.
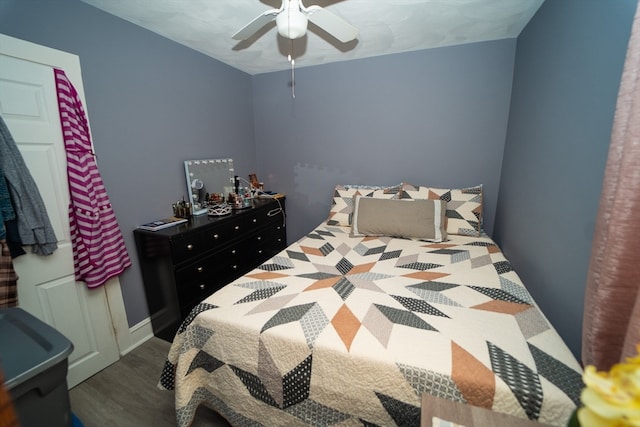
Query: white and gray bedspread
x=342, y=331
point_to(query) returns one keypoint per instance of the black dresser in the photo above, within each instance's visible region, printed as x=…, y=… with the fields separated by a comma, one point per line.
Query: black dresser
x=184, y=264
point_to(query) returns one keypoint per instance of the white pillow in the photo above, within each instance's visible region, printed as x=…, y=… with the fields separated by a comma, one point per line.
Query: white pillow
x=342, y=202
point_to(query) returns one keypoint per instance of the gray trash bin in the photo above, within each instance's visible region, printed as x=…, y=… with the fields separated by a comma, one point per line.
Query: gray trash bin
x=33, y=356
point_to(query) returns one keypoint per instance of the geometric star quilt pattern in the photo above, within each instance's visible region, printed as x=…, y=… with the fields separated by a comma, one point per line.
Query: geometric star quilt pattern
x=340, y=330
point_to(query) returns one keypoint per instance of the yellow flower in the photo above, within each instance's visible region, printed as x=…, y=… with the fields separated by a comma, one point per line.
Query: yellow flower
x=612, y=399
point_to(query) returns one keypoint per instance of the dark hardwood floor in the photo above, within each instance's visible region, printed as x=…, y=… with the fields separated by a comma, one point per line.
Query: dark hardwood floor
x=126, y=394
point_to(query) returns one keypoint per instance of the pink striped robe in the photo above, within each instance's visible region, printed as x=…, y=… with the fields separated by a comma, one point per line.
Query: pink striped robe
x=99, y=252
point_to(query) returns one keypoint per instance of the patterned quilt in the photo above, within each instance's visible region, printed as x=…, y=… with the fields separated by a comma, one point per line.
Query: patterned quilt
x=343, y=331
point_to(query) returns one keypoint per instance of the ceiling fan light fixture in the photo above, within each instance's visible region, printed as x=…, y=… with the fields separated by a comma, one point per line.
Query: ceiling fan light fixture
x=292, y=18
x=292, y=24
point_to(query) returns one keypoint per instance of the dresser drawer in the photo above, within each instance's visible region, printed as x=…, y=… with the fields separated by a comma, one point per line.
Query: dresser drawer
x=265, y=244
x=182, y=266
x=221, y=233
x=200, y=278
x=188, y=246
x=220, y=265
x=193, y=293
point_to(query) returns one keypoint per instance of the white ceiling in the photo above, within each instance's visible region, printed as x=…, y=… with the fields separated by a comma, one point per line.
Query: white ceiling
x=385, y=27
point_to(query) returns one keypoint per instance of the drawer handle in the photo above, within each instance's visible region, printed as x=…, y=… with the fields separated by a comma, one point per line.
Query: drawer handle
x=189, y=247
x=202, y=286
x=233, y=252
x=216, y=236
x=200, y=269
x=235, y=267
x=259, y=238
x=260, y=251
x=278, y=228
x=279, y=240
x=255, y=220
x=237, y=227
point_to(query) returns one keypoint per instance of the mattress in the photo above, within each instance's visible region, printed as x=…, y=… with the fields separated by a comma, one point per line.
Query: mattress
x=340, y=330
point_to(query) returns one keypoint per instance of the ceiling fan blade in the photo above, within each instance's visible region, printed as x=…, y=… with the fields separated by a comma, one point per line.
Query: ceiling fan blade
x=331, y=23
x=253, y=26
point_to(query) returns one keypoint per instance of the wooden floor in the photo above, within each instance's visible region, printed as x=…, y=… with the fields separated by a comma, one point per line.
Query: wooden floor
x=125, y=394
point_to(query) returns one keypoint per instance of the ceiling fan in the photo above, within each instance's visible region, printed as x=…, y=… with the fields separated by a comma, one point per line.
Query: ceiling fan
x=292, y=18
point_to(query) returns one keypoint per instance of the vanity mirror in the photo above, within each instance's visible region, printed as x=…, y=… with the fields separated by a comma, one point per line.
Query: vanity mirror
x=206, y=177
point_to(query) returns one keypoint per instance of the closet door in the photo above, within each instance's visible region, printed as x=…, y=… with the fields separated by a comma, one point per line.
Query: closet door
x=46, y=285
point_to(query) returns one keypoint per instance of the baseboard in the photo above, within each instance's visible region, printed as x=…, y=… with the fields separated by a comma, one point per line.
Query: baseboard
x=138, y=335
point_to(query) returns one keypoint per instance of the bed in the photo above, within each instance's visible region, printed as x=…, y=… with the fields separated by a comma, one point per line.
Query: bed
x=351, y=324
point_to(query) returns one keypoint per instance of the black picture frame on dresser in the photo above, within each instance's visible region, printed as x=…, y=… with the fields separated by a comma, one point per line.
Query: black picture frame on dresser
x=184, y=264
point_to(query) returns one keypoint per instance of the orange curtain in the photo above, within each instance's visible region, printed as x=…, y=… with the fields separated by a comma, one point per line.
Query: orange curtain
x=612, y=301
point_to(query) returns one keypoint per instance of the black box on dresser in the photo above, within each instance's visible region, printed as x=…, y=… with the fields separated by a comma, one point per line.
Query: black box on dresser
x=184, y=264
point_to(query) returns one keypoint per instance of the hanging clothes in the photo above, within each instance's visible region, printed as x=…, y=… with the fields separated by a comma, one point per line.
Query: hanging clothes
x=6, y=207
x=13, y=238
x=8, y=278
x=9, y=232
x=99, y=252
x=34, y=226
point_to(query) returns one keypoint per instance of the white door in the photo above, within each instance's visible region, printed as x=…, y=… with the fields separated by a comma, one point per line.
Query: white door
x=46, y=285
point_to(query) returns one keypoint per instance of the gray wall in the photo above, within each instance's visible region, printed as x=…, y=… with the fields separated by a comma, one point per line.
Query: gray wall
x=434, y=117
x=152, y=104
x=567, y=73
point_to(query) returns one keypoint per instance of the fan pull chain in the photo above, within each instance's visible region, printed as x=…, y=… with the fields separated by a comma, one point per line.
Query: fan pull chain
x=293, y=76
x=290, y=57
